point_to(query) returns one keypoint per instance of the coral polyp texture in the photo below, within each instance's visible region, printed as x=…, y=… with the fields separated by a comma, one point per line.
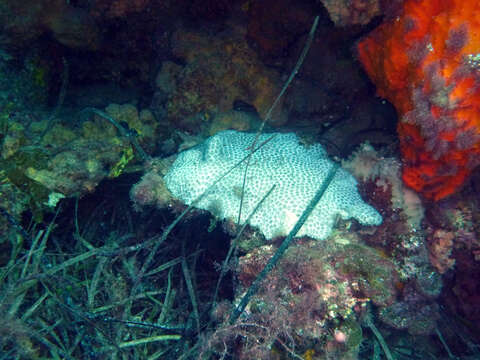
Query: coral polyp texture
x=426, y=61
x=296, y=171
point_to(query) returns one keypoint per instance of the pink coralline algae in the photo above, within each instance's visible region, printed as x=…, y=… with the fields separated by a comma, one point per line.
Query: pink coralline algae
x=440, y=245
x=352, y=12
x=315, y=285
x=454, y=248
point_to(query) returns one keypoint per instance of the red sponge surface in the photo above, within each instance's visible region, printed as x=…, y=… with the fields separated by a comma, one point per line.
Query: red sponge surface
x=426, y=61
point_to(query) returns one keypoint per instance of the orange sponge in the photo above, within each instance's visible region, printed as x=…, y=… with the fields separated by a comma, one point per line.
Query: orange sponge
x=426, y=61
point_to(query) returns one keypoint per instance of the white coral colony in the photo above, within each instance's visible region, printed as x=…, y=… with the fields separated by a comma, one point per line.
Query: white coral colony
x=297, y=171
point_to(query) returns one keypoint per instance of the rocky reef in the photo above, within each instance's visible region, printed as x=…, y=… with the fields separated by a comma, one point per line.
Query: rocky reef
x=115, y=116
